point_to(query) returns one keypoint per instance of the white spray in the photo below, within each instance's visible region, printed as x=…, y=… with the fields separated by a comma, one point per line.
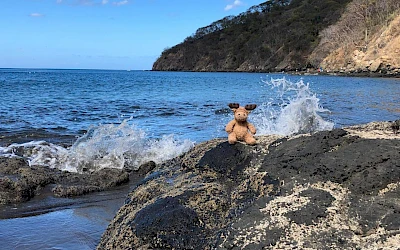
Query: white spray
x=295, y=110
x=105, y=146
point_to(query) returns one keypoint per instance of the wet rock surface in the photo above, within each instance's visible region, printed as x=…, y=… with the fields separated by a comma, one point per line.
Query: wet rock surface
x=329, y=190
x=20, y=182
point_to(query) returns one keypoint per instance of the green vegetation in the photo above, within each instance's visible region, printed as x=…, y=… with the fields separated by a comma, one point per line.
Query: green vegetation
x=273, y=36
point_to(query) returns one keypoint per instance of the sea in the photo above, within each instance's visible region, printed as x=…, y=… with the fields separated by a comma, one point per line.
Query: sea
x=67, y=119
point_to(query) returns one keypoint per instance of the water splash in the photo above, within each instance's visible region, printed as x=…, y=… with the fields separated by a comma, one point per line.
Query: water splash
x=104, y=146
x=294, y=110
x=36, y=152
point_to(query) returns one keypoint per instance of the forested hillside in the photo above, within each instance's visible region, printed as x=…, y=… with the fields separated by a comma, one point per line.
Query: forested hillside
x=275, y=35
x=288, y=35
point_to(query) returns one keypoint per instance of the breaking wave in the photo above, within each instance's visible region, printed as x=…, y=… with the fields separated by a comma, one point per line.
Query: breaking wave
x=295, y=109
x=104, y=146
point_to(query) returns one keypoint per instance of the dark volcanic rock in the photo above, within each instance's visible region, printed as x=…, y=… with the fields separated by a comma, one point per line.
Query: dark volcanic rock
x=176, y=226
x=73, y=184
x=309, y=214
x=227, y=160
x=329, y=190
x=362, y=165
x=19, y=182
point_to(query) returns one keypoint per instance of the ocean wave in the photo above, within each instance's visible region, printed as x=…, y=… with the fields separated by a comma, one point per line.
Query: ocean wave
x=295, y=109
x=104, y=146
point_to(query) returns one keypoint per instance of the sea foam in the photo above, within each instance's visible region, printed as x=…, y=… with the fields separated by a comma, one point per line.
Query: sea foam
x=104, y=146
x=295, y=109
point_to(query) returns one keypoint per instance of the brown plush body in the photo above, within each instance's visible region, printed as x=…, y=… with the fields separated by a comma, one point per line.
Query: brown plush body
x=239, y=129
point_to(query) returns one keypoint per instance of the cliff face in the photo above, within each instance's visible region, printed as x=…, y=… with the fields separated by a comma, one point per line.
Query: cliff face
x=381, y=54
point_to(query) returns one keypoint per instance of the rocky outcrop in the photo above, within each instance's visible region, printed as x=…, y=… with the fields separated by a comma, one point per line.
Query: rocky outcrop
x=20, y=182
x=335, y=189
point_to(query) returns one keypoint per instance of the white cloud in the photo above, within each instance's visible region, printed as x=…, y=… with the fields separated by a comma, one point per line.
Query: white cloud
x=123, y=2
x=36, y=15
x=104, y=1
x=59, y=1
x=235, y=4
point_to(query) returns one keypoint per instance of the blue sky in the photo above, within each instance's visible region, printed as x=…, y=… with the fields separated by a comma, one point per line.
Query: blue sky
x=101, y=34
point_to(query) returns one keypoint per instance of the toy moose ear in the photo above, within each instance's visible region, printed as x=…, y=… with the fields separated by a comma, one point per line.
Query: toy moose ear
x=250, y=107
x=233, y=105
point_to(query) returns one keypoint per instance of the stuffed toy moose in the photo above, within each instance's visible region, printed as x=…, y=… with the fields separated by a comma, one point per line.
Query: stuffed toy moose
x=238, y=129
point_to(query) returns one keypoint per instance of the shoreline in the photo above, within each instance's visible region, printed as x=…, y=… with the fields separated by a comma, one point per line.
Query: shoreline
x=304, y=72
x=231, y=192
x=22, y=184
x=310, y=71
x=348, y=74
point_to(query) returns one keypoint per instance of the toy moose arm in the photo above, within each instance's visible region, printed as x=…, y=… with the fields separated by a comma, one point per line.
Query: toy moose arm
x=252, y=128
x=229, y=127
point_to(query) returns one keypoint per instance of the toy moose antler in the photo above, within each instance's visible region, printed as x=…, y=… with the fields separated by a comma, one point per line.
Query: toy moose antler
x=238, y=129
